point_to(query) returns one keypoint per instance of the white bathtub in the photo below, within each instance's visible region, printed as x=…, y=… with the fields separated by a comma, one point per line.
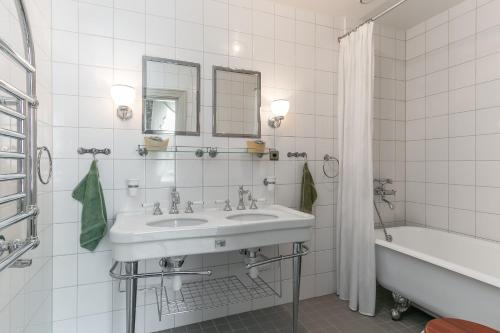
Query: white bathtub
x=446, y=274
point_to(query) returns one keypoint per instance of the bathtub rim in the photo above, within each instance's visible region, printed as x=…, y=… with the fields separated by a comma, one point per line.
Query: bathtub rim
x=460, y=269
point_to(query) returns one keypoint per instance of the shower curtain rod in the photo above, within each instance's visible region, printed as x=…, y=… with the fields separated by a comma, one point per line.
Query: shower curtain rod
x=373, y=18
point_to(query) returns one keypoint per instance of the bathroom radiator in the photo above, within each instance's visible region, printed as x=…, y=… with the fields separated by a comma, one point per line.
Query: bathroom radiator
x=18, y=151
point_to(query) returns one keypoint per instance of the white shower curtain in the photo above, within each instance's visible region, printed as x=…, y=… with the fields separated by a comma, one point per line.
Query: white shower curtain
x=355, y=229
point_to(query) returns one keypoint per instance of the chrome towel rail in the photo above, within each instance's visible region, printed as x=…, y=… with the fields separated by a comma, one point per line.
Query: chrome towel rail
x=22, y=107
x=16, y=56
x=16, y=249
x=13, y=90
x=297, y=155
x=93, y=151
x=12, y=113
x=328, y=158
x=17, y=218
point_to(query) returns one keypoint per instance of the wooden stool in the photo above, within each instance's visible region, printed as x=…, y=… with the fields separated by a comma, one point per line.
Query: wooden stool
x=449, y=325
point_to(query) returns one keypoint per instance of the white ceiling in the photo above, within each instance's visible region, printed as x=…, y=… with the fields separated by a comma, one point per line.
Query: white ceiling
x=412, y=12
x=405, y=16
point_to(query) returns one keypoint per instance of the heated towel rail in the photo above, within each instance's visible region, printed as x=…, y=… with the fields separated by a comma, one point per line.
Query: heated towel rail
x=18, y=200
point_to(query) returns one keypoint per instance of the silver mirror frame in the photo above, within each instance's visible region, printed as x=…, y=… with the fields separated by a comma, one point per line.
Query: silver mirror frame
x=214, y=102
x=145, y=60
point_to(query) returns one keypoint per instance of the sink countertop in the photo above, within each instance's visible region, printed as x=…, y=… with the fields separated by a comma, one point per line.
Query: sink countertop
x=134, y=227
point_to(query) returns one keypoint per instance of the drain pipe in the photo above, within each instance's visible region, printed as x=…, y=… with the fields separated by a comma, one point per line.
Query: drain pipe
x=387, y=236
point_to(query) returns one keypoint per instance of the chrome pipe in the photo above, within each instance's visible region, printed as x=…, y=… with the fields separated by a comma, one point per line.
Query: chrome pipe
x=386, y=235
x=17, y=218
x=12, y=197
x=14, y=91
x=297, y=266
x=6, y=48
x=12, y=258
x=8, y=154
x=12, y=113
x=120, y=276
x=12, y=134
x=131, y=268
x=302, y=252
x=12, y=176
x=371, y=19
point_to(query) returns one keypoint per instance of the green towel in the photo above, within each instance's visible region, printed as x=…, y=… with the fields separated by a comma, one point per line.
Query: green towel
x=89, y=193
x=308, y=192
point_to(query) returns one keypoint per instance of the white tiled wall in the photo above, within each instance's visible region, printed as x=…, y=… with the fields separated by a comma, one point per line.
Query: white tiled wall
x=389, y=112
x=452, y=128
x=99, y=43
x=26, y=294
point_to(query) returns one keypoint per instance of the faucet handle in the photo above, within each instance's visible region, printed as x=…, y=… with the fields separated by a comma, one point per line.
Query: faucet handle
x=253, y=204
x=156, y=207
x=227, y=203
x=189, y=205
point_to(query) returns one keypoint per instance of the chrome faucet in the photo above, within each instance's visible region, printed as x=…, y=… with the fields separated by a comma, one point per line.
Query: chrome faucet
x=241, y=198
x=157, y=209
x=227, y=204
x=175, y=199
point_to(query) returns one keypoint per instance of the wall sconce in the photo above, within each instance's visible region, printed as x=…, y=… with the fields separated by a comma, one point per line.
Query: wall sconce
x=279, y=108
x=123, y=96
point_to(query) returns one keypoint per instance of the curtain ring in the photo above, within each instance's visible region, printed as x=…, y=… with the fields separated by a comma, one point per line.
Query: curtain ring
x=39, y=158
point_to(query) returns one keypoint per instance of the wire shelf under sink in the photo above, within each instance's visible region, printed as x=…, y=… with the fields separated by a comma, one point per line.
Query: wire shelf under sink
x=211, y=293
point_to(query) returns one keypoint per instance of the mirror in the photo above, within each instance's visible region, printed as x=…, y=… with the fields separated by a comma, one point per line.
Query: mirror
x=236, y=105
x=171, y=97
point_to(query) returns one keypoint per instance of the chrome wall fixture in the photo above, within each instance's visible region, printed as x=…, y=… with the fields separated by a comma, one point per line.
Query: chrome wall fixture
x=42, y=150
x=297, y=155
x=327, y=158
x=21, y=107
x=123, y=97
x=372, y=19
x=93, y=151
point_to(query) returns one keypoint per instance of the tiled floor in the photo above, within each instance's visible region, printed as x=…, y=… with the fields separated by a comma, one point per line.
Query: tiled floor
x=325, y=314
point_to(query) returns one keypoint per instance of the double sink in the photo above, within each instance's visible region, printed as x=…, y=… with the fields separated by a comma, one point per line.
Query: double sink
x=137, y=236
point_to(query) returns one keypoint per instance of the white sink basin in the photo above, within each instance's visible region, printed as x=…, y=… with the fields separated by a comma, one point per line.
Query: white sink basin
x=177, y=222
x=137, y=236
x=251, y=217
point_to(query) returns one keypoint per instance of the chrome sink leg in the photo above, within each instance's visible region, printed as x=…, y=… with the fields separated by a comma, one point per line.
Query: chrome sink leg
x=131, y=295
x=297, y=265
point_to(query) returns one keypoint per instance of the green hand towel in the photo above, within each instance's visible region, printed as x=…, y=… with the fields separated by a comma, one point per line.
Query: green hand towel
x=89, y=193
x=308, y=192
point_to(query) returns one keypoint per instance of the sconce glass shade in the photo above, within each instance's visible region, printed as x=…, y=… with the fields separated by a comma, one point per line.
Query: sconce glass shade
x=279, y=108
x=123, y=96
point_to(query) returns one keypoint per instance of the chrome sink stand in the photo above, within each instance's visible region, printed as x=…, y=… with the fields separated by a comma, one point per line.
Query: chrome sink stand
x=131, y=295
x=131, y=275
x=297, y=267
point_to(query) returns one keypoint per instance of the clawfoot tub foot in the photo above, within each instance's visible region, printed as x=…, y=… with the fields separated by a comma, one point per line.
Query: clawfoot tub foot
x=401, y=305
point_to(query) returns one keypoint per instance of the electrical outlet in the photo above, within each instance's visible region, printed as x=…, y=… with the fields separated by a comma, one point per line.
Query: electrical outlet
x=274, y=155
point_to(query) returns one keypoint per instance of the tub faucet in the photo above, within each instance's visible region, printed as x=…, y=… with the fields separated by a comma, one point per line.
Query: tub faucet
x=175, y=199
x=241, y=198
x=391, y=206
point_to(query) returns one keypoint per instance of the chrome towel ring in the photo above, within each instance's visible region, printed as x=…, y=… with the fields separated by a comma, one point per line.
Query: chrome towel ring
x=328, y=158
x=38, y=160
